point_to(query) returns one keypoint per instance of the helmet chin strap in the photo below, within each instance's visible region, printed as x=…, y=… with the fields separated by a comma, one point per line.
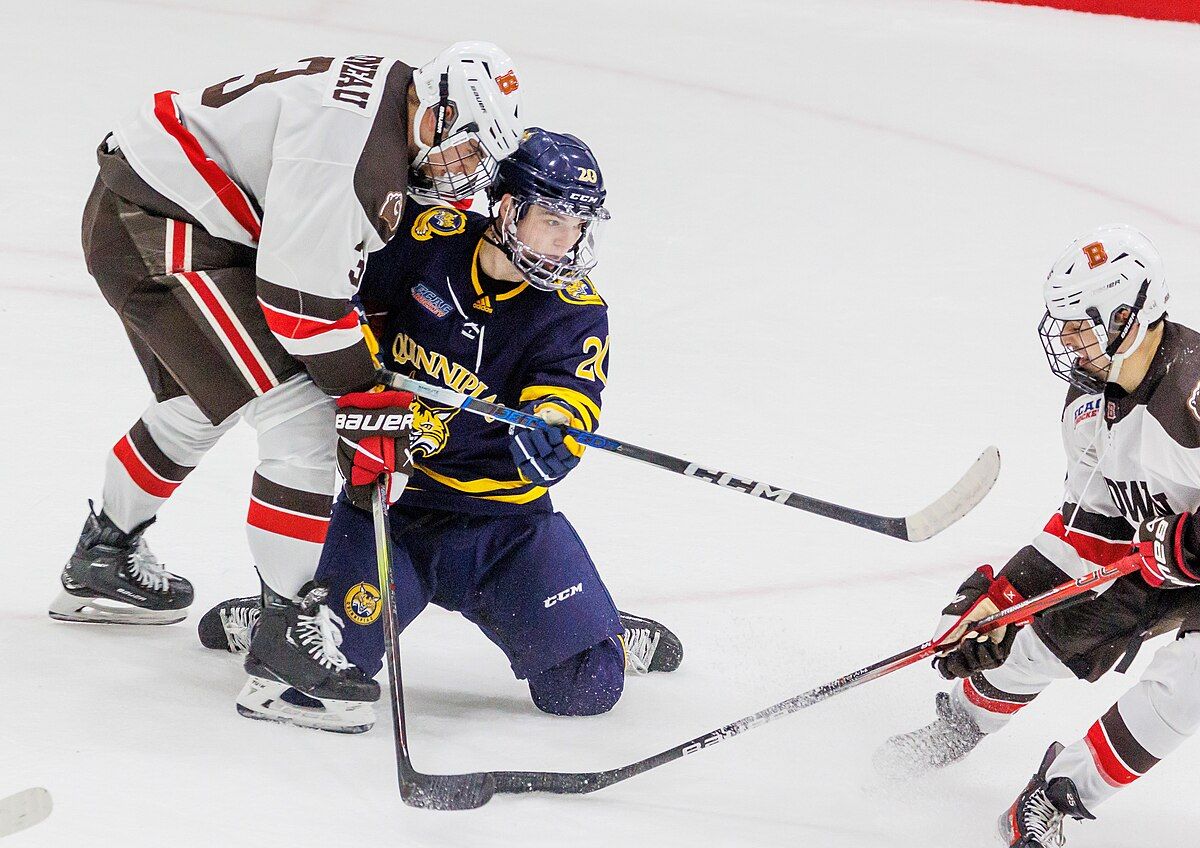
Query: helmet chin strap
x=1116, y=360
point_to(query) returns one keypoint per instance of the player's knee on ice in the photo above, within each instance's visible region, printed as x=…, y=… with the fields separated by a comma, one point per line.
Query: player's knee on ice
x=589, y=683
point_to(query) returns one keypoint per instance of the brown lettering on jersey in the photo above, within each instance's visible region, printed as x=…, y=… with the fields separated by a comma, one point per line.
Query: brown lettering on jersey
x=391, y=210
x=507, y=82
x=354, y=80
x=215, y=96
x=1095, y=254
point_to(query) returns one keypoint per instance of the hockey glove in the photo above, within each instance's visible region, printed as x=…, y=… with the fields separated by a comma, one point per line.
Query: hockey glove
x=980, y=596
x=541, y=456
x=373, y=431
x=1164, y=550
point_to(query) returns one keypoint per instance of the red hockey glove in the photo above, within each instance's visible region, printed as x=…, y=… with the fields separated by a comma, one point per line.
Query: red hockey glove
x=373, y=432
x=1163, y=552
x=981, y=595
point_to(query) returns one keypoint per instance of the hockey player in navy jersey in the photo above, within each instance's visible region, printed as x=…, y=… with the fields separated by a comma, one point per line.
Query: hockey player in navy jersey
x=500, y=307
x=228, y=228
x=1131, y=429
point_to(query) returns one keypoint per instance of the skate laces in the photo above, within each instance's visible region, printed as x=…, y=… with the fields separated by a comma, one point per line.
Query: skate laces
x=1042, y=819
x=145, y=568
x=640, y=645
x=238, y=621
x=321, y=633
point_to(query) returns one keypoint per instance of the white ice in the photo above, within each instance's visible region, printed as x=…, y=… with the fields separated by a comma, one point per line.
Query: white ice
x=831, y=220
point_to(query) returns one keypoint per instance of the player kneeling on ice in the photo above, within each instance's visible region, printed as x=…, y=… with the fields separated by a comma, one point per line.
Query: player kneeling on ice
x=1131, y=429
x=499, y=306
x=228, y=227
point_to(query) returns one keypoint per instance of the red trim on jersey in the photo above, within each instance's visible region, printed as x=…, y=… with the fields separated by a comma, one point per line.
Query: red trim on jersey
x=1091, y=548
x=292, y=326
x=1108, y=763
x=228, y=328
x=225, y=189
x=140, y=472
x=986, y=703
x=302, y=527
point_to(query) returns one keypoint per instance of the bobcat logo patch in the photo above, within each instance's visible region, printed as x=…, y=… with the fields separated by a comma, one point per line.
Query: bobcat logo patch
x=362, y=604
x=438, y=221
x=430, y=428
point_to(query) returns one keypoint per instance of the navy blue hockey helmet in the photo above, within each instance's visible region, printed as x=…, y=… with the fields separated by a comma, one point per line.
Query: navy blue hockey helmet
x=557, y=172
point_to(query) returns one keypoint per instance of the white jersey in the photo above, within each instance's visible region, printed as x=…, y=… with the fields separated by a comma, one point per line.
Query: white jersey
x=308, y=163
x=1129, y=457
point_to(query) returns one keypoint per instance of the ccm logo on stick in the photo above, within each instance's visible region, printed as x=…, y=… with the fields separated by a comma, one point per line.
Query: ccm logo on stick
x=361, y=421
x=728, y=481
x=563, y=595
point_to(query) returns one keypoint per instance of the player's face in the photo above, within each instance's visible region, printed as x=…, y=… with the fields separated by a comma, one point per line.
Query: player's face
x=1081, y=339
x=465, y=158
x=548, y=232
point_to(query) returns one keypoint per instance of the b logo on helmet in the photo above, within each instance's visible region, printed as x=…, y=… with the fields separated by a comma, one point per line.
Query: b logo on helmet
x=507, y=83
x=1095, y=254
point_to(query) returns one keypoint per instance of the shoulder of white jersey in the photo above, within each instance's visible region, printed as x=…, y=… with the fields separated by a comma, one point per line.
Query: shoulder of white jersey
x=1175, y=401
x=582, y=293
x=1080, y=407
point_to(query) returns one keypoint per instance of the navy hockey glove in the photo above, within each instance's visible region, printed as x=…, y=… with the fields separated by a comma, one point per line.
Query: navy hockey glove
x=981, y=595
x=373, y=432
x=1164, y=548
x=541, y=456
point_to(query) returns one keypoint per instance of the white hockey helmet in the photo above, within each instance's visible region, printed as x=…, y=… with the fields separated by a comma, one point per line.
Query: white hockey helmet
x=473, y=90
x=1104, y=283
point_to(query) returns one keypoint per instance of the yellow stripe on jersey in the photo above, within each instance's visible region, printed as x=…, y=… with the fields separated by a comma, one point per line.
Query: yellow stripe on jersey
x=587, y=408
x=482, y=487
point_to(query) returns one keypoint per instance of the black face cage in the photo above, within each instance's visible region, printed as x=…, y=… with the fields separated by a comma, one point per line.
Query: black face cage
x=1087, y=366
x=466, y=167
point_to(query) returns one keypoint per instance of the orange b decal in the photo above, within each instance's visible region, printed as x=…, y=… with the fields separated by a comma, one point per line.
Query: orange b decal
x=1095, y=254
x=507, y=82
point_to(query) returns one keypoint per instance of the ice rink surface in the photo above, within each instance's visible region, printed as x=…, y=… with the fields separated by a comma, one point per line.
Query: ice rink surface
x=831, y=221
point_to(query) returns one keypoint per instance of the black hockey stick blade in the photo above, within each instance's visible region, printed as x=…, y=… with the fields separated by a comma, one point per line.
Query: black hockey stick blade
x=448, y=791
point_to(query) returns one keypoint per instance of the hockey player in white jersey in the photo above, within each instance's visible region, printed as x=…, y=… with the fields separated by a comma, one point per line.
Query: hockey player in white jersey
x=1131, y=429
x=229, y=228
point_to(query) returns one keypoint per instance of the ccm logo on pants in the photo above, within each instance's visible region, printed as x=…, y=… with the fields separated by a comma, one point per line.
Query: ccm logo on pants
x=563, y=595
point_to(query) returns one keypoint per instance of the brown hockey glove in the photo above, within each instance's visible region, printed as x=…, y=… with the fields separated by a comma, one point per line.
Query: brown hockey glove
x=1164, y=551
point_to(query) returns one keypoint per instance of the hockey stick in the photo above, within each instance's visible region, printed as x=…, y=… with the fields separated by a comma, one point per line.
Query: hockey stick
x=962, y=497
x=515, y=782
x=24, y=809
x=431, y=791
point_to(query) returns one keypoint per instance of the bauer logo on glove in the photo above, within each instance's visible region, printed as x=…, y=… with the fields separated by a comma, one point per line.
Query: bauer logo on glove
x=369, y=427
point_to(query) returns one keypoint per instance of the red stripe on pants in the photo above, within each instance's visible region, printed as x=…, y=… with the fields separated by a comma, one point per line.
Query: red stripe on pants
x=229, y=329
x=302, y=527
x=140, y=472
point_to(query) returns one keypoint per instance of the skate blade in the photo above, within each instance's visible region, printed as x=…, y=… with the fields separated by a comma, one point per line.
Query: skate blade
x=261, y=699
x=68, y=607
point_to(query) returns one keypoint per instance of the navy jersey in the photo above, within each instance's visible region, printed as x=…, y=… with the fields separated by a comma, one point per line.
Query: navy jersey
x=511, y=343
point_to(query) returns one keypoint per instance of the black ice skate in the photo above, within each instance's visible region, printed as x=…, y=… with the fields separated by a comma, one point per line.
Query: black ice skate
x=1035, y=820
x=229, y=625
x=949, y=738
x=297, y=673
x=649, y=646
x=113, y=578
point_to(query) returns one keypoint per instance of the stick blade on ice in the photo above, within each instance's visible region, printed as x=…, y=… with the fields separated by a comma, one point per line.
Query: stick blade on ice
x=24, y=809
x=964, y=496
